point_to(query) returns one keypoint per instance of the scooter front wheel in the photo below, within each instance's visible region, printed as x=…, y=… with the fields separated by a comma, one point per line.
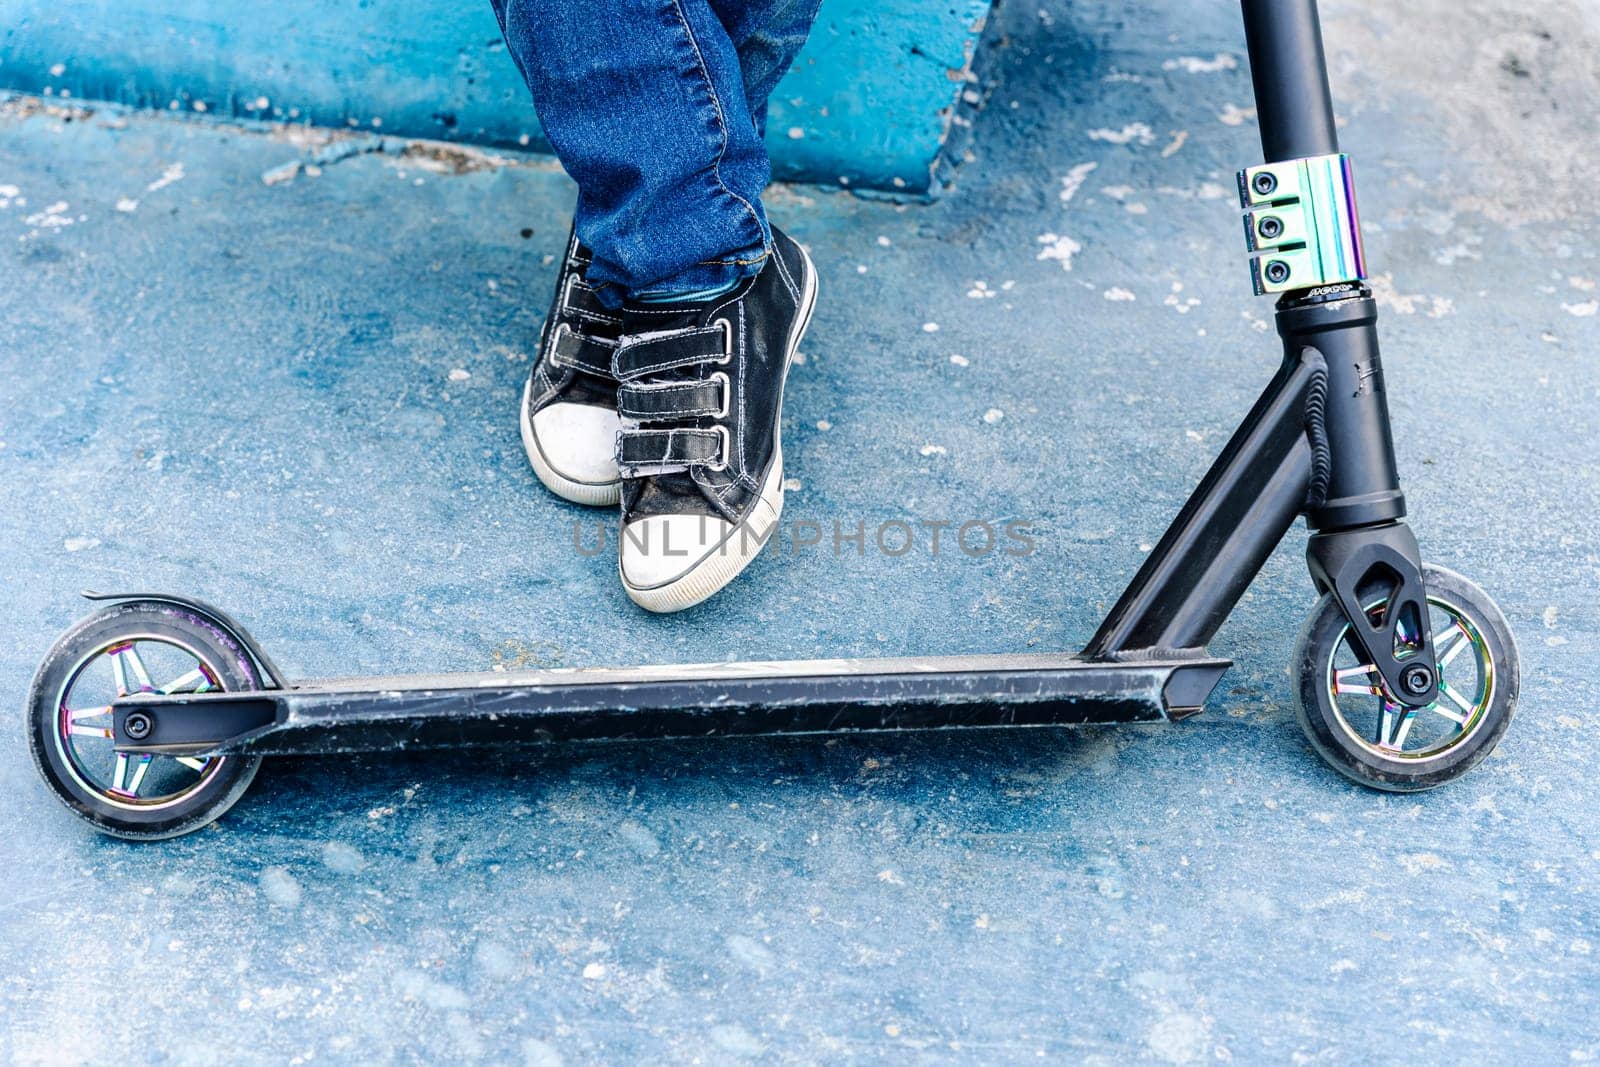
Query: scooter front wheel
x=1356, y=725
x=119, y=652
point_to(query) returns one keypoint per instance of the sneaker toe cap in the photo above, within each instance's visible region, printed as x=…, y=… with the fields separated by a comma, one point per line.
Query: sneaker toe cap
x=660, y=549
x=578, y=441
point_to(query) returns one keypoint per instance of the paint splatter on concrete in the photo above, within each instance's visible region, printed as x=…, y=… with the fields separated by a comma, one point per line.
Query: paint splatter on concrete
x=280, y=888
x=537, y=1053
x=736, y=1041
x=1073, y=181
x=750, y=953
x=52, y=217
x=1059, y=248
x=639, y=840
x=173, y=173
x=1132, y=133
x=1195, y=65
x=1179, y=1038
x=1387, y=296
x=1233, y=115
x=1178, y=302
x=342, y=858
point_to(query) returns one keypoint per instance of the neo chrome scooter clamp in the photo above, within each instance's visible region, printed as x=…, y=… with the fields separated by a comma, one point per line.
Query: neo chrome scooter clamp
x=1301, y=224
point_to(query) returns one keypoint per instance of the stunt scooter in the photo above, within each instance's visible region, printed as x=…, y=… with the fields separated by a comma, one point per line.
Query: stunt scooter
x=150, y=717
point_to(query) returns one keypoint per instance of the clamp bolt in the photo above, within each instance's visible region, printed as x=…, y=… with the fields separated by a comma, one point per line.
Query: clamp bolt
x=1277, y=272
x=1265, y=182
x=138, y=725
x=1416, y=679
x=1270, y=227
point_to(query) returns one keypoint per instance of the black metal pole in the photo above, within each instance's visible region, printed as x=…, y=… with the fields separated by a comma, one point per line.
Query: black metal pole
x=1293, y=105
x=1235, y=518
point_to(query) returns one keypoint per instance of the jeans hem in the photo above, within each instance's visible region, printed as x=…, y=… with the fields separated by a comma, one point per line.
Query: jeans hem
x=708, y=274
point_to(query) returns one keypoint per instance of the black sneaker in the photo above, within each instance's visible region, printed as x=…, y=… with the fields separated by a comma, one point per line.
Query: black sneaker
x=700, y=397
x=569, y=406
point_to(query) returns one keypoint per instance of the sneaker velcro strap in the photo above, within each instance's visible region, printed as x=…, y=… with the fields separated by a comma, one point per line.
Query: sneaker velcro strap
x=578, y=298
x=581, y=352
x=648, y=354
x=673, y=400
x=665, y=448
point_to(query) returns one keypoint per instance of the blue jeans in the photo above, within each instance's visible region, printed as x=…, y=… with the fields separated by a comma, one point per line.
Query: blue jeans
x=657, y=109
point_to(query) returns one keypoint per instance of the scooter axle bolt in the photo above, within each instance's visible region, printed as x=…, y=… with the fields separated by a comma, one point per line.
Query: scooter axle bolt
x=138, y=725
x=1416, y=679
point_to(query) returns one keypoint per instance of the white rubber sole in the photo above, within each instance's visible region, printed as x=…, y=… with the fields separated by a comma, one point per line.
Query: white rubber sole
x=742, y=543
x=597, y=494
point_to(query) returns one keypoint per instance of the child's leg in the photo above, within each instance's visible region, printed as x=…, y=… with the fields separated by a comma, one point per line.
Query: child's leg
x=655, y=108
x=645, y=103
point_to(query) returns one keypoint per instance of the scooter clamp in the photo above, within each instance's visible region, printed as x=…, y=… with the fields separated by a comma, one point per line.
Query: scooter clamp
x=1301, y=225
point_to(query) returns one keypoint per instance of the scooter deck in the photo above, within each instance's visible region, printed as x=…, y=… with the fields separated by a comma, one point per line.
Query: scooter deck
x=678, y=701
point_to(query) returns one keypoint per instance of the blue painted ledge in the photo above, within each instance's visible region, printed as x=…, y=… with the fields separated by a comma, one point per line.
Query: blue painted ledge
x=870, y=99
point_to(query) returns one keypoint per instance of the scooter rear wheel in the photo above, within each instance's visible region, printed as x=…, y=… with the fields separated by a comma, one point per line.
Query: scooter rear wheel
x=123, y=650
x=1356, y=725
